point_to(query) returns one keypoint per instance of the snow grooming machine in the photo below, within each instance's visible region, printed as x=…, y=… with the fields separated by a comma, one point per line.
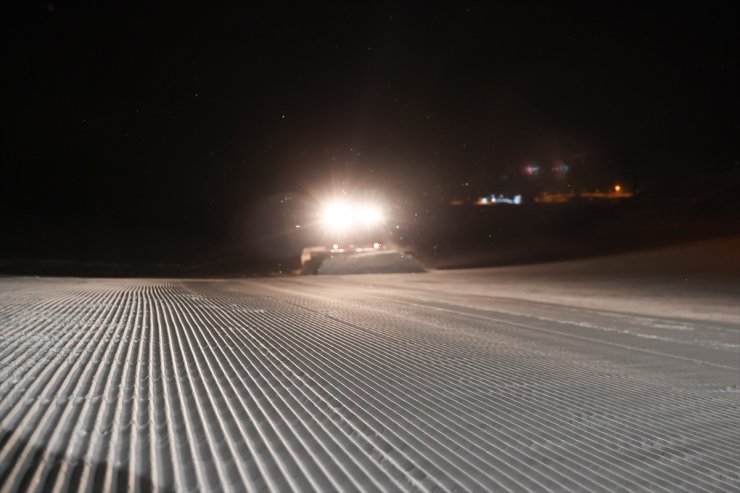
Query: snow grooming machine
x=354, y=243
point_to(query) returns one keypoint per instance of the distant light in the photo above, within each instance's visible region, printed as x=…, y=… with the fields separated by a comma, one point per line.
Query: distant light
x=500, y=199
x=531, y=169
x=335, y=246
x=376, y=245
x=617, y=188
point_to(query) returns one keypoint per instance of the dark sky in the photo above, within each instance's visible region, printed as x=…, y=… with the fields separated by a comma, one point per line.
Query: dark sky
x=180, y=118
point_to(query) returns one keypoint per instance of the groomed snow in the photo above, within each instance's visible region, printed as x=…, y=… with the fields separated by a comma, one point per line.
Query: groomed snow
x=442, y=381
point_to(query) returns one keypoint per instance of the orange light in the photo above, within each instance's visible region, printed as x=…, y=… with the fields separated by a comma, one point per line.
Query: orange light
x=617, y=188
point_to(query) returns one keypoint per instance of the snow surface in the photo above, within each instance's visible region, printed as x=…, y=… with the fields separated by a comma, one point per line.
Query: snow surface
x=484, y=380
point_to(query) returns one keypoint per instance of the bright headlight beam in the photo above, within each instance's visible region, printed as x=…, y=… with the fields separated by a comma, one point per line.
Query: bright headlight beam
x=370, y=215
x=341, y=216
x=337, y=216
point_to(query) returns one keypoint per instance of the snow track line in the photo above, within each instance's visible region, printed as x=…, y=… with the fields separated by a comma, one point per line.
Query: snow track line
x=212, y=334
x=477, y=337
x=307, y=385
x=314, y=295
x=260, y=354
x=421, y=404
x=556, y=397
x=41, y=420
x=283, y=344
x=272, y=347
x=565, y=334
x=584, y=444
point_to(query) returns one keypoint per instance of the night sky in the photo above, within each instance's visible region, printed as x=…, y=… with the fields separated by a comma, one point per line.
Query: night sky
x=124, y=122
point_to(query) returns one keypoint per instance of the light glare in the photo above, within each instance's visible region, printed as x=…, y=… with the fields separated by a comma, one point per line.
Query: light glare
x=337, y=216
x=342, y=216
x=370, y=215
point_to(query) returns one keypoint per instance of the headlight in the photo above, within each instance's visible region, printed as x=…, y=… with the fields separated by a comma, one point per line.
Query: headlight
x=370, y=215
x=340, y=216
x=337, y=217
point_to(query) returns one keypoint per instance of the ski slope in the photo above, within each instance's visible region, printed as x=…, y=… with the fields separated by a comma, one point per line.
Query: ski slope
x=483, y=380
